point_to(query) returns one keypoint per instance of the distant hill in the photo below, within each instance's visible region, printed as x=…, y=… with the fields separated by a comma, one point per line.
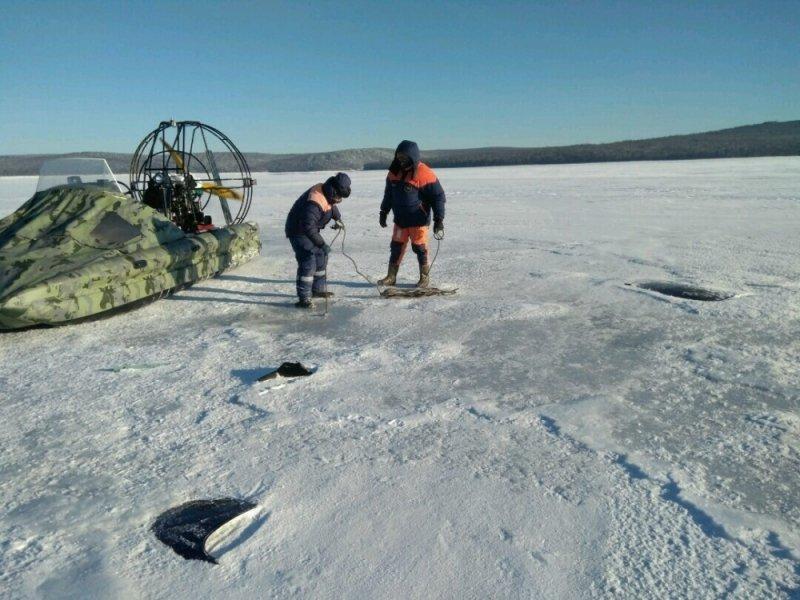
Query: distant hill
x=766, y=139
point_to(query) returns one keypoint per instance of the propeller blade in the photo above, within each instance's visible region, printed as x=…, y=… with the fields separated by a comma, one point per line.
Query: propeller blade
x=220, y=190
x=212, y=162
x=175, y=155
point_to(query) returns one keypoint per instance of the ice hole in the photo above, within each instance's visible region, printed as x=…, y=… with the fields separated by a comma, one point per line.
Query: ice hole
x=685, y=291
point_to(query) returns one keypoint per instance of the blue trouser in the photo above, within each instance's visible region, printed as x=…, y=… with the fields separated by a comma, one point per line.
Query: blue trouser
x=311, y=265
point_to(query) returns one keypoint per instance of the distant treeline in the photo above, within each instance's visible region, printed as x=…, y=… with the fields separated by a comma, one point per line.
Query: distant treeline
x=766, y=139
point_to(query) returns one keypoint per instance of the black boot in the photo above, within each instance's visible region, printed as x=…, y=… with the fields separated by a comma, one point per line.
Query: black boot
x=391, y=276
x=325, y=294
x=424, y=276
x=303, y=303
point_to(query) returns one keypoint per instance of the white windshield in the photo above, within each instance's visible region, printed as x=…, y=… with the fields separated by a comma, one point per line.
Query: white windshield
x=77, y=172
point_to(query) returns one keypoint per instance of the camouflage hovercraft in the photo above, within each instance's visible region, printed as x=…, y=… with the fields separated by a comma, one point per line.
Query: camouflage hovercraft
x=80, y=247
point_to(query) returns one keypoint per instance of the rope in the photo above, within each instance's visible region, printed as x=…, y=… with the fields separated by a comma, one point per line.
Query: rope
x=435, y=254
x=352, y=260
x=343, y=230
x=325, y=311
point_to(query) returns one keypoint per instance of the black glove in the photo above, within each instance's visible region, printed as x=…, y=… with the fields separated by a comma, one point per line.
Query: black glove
x=438, y=230
x=337, y=225
x=326, y=249
x=382, y=219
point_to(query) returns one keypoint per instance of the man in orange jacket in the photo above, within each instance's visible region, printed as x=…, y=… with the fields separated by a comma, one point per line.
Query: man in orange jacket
x=412, y=193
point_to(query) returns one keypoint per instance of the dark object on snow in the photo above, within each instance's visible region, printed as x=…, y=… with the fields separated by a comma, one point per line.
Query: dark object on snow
x=418, y=292
x=288, y=369
x=186, y=528
x=681, y=290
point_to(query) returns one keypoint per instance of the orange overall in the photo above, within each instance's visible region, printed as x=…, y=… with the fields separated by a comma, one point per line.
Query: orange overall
x=418, y=235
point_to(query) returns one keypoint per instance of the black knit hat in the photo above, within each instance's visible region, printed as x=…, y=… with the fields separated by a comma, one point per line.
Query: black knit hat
x=340, y=184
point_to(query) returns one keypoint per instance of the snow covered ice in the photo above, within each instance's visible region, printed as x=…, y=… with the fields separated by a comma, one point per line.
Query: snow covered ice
x=548, y=432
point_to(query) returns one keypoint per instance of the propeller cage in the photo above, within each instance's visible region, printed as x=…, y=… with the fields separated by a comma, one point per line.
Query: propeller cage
x=194, y=174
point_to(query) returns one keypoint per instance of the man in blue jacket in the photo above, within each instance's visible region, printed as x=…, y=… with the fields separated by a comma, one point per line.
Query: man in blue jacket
x=311, y=212
x=412, y=193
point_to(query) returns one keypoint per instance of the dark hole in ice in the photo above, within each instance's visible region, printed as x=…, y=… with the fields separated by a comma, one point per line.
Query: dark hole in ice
x=682, y=290
x=186, y=528
x=288, y=369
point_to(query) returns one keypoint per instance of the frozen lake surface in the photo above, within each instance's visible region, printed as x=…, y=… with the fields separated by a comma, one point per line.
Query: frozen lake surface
x=549, y=432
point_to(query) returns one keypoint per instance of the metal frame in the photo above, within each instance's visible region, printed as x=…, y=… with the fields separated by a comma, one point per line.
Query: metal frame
x=146, y=162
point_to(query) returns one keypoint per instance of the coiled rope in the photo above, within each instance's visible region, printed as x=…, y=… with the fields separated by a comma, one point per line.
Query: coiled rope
x=343, y=231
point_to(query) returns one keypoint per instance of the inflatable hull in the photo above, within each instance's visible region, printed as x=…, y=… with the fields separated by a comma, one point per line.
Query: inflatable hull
x=87, y=263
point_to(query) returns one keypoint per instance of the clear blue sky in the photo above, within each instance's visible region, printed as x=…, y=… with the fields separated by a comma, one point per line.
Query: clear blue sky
x=313, y=76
